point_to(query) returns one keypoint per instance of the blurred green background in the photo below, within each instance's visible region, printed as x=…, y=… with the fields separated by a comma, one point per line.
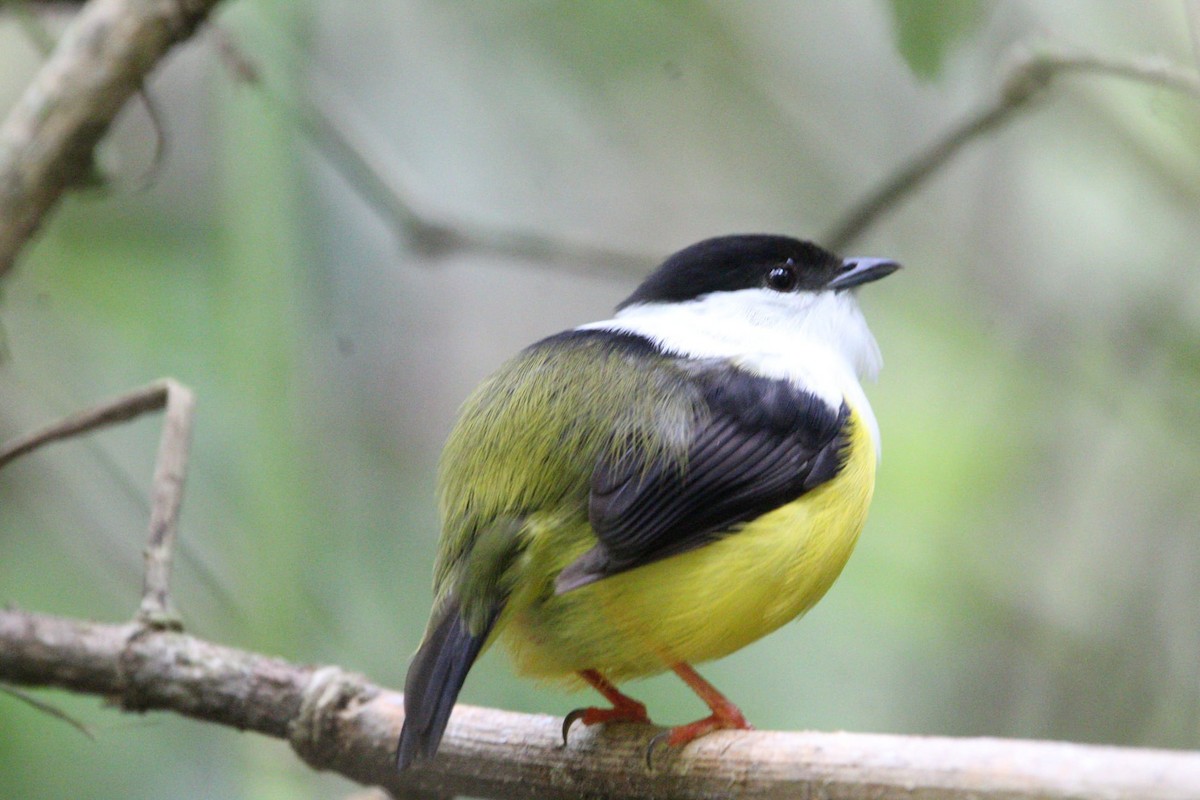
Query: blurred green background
x=1031, y=563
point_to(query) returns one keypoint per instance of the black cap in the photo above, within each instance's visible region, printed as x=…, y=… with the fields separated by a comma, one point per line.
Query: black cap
x=754, y=261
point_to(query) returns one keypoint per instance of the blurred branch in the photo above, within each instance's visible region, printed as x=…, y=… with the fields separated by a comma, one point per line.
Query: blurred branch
x=170, y=470
x=338, y=721
x=1025, y=80
x=48, y=139
x=330, y=123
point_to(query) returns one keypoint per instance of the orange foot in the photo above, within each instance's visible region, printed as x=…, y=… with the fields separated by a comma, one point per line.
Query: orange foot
x=625, y=708
x=725, y=715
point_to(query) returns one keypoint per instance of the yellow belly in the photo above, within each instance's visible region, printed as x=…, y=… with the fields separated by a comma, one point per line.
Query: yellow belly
x=696, y=606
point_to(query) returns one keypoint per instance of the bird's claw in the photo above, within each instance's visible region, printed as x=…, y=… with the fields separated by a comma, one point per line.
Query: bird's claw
x=727, y=719
x=570, y=720
x=657, y=741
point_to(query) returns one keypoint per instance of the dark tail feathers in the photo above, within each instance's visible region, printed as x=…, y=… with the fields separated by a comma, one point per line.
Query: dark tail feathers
x=434, y=680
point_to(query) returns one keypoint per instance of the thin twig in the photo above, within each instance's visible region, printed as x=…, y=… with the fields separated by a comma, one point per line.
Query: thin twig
x=1026, y=78
x=110, y=412
x=909, y=177
x=48, y=139
x=1150, y=71
x=158, y=157
x=328, y=122
x=338, y=721
x=334, y=128
x=47, y=708
x=169, y=473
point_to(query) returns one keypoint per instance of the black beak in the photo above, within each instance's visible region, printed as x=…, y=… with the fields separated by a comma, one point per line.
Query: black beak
x=857, y=271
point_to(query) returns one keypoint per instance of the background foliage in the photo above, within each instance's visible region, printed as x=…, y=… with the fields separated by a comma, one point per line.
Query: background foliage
x=1029, y=568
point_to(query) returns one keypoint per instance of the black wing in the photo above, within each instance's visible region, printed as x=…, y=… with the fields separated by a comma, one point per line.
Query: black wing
x=763, y=443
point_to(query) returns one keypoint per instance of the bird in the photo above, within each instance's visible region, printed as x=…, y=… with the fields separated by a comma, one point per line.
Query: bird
x=656, y=489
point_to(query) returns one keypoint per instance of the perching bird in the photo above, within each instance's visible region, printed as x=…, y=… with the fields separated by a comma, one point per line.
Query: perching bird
x=657, y=489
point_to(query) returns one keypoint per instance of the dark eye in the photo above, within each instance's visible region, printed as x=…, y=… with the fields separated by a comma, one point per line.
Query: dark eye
x=783, y=277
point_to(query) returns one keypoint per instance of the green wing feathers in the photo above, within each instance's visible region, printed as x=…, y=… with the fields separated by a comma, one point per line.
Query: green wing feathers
x=507, y=456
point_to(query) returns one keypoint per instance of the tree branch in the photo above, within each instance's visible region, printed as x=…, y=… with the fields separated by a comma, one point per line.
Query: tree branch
x=1026, y=78
x=47, y=141
x=170, y=471
x=333, y=126
x=338, y=721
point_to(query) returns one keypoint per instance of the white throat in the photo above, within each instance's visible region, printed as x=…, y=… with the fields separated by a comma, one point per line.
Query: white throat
x=817, y=340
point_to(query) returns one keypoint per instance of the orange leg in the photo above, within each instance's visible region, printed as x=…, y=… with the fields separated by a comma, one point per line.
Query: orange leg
x=725, y=714
x=625, y=708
